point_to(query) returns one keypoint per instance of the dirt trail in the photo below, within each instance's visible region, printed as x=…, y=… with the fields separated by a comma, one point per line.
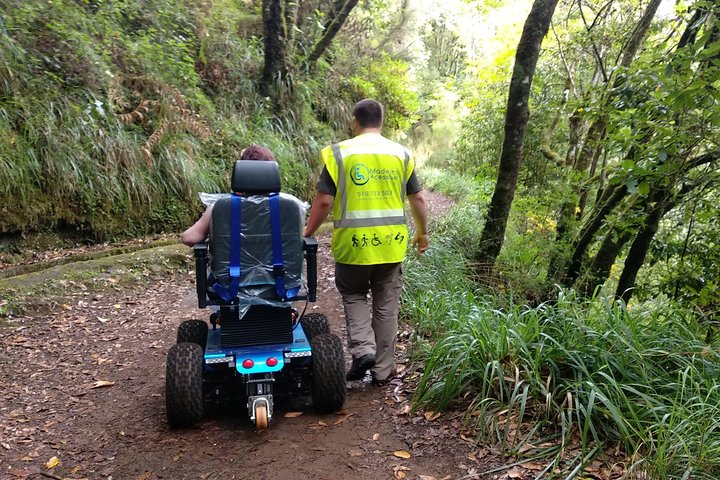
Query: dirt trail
x=82, y=386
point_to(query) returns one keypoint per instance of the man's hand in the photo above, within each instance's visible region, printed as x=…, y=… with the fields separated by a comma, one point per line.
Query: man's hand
x=421, y=241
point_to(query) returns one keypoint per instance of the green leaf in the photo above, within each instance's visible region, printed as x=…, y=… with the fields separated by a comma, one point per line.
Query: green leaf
x=711, y=50
x=628, y=164
x=626, y=133
x=643, y=188
x=632, y=185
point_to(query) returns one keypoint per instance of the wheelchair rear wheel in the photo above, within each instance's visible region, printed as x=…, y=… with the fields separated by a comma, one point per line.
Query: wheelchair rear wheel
x=328, y=373
x=184, y=385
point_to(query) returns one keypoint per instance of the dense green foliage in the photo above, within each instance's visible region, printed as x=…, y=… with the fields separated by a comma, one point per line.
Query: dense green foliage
x=114, y=115
x=569, y=371
x=621, y=151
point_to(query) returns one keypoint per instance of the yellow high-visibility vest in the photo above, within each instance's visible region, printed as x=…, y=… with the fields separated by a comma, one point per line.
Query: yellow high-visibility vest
x=371, y=174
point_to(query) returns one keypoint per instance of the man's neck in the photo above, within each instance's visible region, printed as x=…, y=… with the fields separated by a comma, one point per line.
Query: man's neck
x=363, y=131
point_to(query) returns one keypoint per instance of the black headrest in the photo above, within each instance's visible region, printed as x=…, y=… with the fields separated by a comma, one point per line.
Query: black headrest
x=255, y=177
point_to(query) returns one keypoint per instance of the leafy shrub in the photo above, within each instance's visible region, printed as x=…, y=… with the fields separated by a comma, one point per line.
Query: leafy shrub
x=574, y=370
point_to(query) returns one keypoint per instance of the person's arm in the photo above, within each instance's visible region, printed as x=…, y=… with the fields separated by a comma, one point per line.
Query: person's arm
x=418, y=209
x=199, y=231
x=319, y=210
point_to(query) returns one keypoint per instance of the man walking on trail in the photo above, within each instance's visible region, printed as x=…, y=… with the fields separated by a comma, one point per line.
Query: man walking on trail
x=365, y=182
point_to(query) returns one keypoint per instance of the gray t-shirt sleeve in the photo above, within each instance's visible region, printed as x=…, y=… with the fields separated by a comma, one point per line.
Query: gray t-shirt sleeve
x=413, y=184
x=325, y=184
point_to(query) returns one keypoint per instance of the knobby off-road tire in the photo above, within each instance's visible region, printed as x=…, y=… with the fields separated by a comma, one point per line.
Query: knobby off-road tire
x=184, y=385
x=328, y=373
x=193, y=331
x=314, y=324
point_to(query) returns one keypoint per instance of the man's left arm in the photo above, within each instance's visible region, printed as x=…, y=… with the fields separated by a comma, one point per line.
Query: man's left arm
x=418, y=209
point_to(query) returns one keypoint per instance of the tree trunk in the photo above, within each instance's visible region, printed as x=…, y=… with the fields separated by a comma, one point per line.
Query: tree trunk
x=330, y=33
x=611, y=199
x=274, y=68
x=639, y=248
x=516, y=118
x=599, y=270
x=633, y=45
x=291, y=16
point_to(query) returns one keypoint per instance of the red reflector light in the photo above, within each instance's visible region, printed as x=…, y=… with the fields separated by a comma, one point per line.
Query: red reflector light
x=248, y=363
x=271, y=362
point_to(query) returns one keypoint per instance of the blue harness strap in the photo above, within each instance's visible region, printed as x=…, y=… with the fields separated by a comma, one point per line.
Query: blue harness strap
x=278, y=265
x=228, y=294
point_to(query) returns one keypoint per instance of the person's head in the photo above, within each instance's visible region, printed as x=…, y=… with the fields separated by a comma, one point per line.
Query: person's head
x=368, y=114
x=257, y=152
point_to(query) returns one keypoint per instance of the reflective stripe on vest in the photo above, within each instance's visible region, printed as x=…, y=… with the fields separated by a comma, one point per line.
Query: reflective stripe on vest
x=366, y=218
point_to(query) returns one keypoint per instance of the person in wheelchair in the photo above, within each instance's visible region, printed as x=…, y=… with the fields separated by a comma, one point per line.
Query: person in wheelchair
x=200, y=230
x=262, y=345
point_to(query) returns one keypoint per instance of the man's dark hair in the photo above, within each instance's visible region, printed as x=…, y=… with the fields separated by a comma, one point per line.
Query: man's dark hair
x=257, y=152
x=369, y=113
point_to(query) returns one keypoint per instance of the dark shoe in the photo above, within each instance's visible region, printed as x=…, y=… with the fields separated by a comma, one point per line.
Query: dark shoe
x=359, y=367
x=386, y=380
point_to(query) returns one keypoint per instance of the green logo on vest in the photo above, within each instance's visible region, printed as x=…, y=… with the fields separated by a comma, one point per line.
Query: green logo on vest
x=359, y=174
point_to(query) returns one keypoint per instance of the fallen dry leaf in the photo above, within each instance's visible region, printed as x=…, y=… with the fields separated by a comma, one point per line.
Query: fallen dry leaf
x=293, y=414
x=516, y=472
x=399, y=471
x=430, y=415
x=342, y=419
x=539, y=466
x=52, y=463
x=402, y=454
x=356, y=453
x=102, y=383
x=376, y=437
x=404, y=410
x=426, y=477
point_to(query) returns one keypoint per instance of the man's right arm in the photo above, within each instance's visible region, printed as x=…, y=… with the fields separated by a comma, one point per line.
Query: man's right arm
x=318, y=212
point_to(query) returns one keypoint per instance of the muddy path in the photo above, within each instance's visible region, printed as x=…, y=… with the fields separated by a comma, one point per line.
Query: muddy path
x=82, y=382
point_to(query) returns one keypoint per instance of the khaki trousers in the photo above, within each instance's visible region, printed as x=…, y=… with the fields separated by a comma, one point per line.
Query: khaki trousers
x=371, y=330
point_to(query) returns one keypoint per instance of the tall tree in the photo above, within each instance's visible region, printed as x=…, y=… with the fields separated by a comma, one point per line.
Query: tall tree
x=665, y=174
x=516, y=119
x=582, y=156
x=275, y=67
x=333, y=28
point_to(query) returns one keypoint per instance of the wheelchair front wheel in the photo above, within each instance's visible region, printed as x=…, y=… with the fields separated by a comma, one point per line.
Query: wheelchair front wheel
x=314, y=324
x=261, y=417
x=193, y=331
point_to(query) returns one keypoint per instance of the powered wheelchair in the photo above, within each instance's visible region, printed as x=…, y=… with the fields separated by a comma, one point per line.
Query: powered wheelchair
x=260, y=345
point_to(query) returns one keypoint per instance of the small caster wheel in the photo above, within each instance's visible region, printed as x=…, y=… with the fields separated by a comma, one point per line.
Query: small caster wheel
x=261, y=417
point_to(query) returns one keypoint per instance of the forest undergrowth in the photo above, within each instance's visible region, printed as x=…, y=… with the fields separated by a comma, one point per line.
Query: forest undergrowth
x=583, y=384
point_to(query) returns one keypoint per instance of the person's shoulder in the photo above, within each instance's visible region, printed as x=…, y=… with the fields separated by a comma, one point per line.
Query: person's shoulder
x=400, y=150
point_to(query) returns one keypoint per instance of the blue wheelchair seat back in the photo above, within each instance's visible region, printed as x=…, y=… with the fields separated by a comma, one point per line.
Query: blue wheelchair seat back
x=256, y=243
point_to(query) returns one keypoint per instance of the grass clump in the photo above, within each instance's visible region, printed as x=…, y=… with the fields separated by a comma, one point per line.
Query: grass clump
x=565, y=379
